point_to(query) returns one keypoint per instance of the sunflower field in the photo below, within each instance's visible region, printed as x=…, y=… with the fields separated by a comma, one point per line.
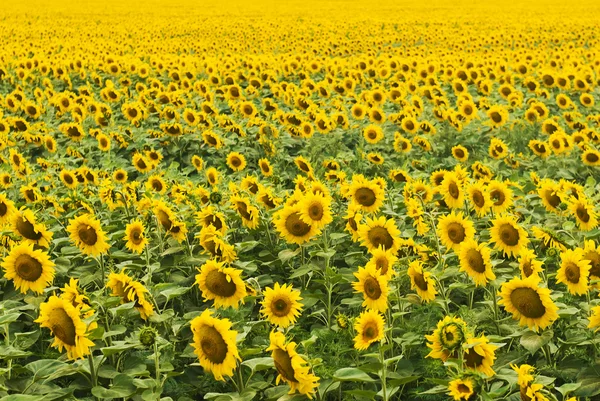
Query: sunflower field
x=326, y=200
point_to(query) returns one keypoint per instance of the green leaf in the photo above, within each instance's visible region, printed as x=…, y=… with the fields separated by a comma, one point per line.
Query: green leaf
x=589, y=388
x=173, y=291
x=287, y=254
x=122, y=387
x=10, y=317
x=118, y=347
x=258, y=364
x=568, y=388
x=352, y=374
x=44, y=367
x=532, y=342
x=8, y=352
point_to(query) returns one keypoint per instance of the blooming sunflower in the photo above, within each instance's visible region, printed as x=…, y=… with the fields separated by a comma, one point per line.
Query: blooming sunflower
x=383, y=261
x=524, y=374
x=209, y=216
x=7, y=210
x=373, y=286
x=353, y=221
x=447, y=338
x=291, y=367
x=29, y=269
x=528, y=264
x=574, y=271
x=475, y=261
x=479, y=198
x=64, y=321
x=130, y=290
x=280, y=305
x=247, y=211
x=373, y=134
x=528, y=303
x=451, y=190
x=213, y=244
x=215, y=344
x=461, y=389
x=584, y=213
x=548, y=191
x=24, y=224
x=454, y=229
x=88, y=236
x=591, y=253
x=460, y=153
x=236, y=161
x=501, y=196
x=222, y=284
x=135, y=239
x=369, y=329
x=366, y=194
x=380, y=232
x=508, y=236
x=421, y=281
x=289, y=224
x=315, y=209
x=479, y=355
x=595, y=318
x=265, y=167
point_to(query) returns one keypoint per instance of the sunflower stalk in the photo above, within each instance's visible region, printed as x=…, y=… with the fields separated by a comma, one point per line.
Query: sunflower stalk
x=383, y=372
x=93, y=375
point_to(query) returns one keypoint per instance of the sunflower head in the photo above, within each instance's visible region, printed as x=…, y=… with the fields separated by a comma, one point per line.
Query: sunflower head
x=369, y=327
x=281, y=305
x=29, y=269
x=221, y=284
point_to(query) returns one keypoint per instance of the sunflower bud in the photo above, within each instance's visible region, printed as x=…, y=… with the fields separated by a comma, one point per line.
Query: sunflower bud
x=148, y=336
x=215, y=197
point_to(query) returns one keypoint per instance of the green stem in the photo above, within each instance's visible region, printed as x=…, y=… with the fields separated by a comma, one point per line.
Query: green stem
x=7, y=342
x=157, y=366
x=93, y=377
x=383, y=373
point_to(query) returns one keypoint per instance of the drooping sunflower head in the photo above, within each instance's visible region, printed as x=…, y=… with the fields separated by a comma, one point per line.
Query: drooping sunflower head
x=215, y=344
x=281, y=305
x=29, y=269
x=222, y=284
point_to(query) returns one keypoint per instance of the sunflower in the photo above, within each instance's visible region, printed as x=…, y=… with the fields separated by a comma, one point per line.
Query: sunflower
x=291, y=367
x=212, y=242
x=398, y=175
x=156, y=184
x=212, y=176
x=373, y=134
x=528, y=264
x=498, y=116
x=212, y=139
x=374, y=288
x=549, y=238
x=501, y=196
x=247, y=212
x=280, y=305
x=265, y=167
x=141, y=163
x=135, y=239
x=68, y=178
x=88, y=236
x=120, y=176
x=222, y=284
x=454, y=229
x=353, y=220
x=508, y=236
x=121, y=285
x=461, y=389
x=291, y=227
x=479, y=355
x=7, y=210
x=197, y=162
x=369, y=329
x=421, y=281
x=315, y=209
x=584, y=213
x=383, y=261
x=366, y=194
x=479, y=198
x=209, y=216
x=591, y=253
x=540, y=148
x=380, y=232
x=451, y=190
x=591, y=157
x=574, y=271
x=24, y=225
x=64, y=321
x=475, y=261
x=524, y=374
x=528, y=303
x=447, y=338
x=215, y=344
x=595, y=318
x=304, y=165
x=236, y=161
x=548, y=191
x=28, y=268
x=460, y=153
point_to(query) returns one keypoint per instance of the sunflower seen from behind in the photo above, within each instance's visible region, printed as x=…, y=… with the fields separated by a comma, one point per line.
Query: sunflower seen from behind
x=280, y=305
x=215, y=344
x=223, y=285
x=29, y=269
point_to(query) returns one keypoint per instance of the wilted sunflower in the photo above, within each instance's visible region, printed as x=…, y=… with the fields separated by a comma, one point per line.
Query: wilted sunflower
x=87, y=234
x=479, y=355
x=451, y=190
x=315, y=209
x=215, y=344
x=380, y=232
x=236, y=161
x=461, y=389
x=64, y=321
x=421, y=281
x=366, y=194
x=291, y=367
x=454, y=229
x=584, y=213
x=528, y=264
x=124, y=286
x=383, y=261
x=222, y=284
x=29, y=269
x=291, y=227
x=369, y=328
x=528, y=303
x=475, y=261
x=574, y=271
x=508, y=236
x=7, y=210
x=447, y=338
x=135, y=239
x=373, y=286
x=280, y=305
x=24, y=224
